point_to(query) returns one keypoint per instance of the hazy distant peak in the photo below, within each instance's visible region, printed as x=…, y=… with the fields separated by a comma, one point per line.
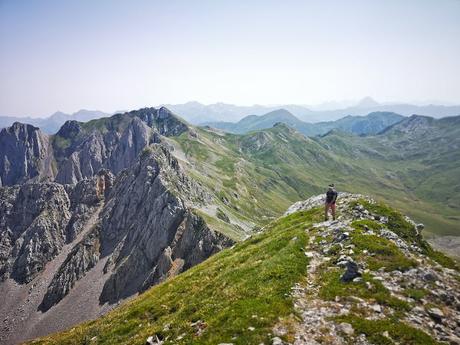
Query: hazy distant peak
x=367, y=102
x=194, y=103
x=280, y=112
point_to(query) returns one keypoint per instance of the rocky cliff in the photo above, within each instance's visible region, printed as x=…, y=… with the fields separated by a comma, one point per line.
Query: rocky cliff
x=25, y=155
x=147, y=231
x=38, y=219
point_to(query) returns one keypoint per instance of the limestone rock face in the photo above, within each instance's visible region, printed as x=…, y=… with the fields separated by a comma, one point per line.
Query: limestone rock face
x=85, y=161
x=80, y=150
x=112, y=150
x=37, y=219
x=25, y=155
x=33, y=222
x=162, y=232
x=163, y=120
x=137, y=136
x=82, y=258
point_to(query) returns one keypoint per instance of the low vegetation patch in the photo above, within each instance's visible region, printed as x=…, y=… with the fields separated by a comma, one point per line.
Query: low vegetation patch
x=387, y=331
x=396, y=221
x=416, y=294
x=441, y=259
x=366, y=224
x=332, y=286
x=383, y=252
x=405, y=230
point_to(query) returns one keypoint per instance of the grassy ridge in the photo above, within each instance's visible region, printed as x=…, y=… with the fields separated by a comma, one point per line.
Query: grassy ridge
x=236, y=296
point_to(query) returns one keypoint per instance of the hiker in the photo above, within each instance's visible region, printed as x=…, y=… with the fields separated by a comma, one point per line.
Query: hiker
x=331, y=197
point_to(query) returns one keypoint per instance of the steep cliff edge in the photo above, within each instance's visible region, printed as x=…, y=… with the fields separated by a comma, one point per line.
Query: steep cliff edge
x=25, y=155
x=367, y=278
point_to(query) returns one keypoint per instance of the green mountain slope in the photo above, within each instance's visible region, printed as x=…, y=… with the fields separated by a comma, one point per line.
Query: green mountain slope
x=264, y=289
x=257, y=175
x=418, y=160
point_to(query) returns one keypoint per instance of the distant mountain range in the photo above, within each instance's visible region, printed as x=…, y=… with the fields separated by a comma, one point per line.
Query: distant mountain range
x=372, y=123
x=197, y=113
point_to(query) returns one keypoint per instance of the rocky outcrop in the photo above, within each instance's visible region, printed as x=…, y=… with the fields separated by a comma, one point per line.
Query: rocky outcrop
x=85, y=198
x=93, y=151
x=25, y=155
x=415, y=124
x=162, y=120
x=162, y=234
x=82, y=258
x=33, y=222
x=37, y=219
x=112, y=143
x=133, y=140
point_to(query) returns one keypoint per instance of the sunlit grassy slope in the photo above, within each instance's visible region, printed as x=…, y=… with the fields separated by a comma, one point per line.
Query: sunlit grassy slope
x=235, y=296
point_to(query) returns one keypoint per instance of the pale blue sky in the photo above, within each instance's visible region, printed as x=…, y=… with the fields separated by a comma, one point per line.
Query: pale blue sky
x=112, y=55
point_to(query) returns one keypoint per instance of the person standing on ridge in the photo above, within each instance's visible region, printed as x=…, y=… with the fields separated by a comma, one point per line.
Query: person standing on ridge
x=331, y=197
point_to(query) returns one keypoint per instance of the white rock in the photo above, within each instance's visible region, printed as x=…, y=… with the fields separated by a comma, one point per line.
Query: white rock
x=376, y=307
x=277, y=341
x=436, y=314
x=346, y=328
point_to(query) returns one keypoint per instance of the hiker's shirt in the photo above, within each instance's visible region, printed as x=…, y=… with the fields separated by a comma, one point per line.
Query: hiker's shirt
x=331, y=197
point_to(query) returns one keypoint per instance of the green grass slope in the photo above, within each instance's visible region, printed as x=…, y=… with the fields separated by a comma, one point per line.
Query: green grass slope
x=256, y=176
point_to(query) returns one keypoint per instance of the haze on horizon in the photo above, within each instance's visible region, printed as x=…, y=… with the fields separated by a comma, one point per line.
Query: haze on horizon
x=112, y=55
